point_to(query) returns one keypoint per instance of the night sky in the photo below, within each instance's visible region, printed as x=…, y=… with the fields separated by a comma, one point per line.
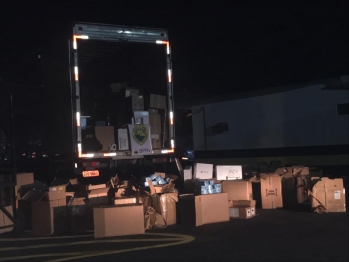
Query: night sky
x=218, y=47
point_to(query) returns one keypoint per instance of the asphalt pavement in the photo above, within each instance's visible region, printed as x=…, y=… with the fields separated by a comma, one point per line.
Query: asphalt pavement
x=272, y=235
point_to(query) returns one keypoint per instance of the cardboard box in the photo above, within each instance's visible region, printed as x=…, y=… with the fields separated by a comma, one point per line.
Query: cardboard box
x=155, y=141
x=271, y=191
x=118, y=220
x=124, y=200
x=301, y=170
x=5, y=221
x=99, y=186
x=155, y=123
x=131, y=92
x=328, y=194
x=49, y=217
x=245, y=203
x=188, y=173
x=157, y=101
x=240, y=212
x=203, y=171
x=302, y=188
x=24, y=189
x=23, y=179
x=204, y=209
x=98, y=196
x=161, y=174
x=237, y=189
x=137, y=102
x=293, y=171
x=56, y=192
x=228, y=172
x=123, y=139
x=105, y=135
x=24, y=212
x=165, y=205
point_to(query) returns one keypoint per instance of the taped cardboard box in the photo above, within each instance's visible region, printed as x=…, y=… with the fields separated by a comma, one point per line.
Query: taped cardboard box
x=5, y=222
x=49, y=217
x=328, y=195
x=237, y=189
x=271, y=191
x=204, y=209
x=118, y=220
x=240, y=212
x=245, y=203
x=165, y=205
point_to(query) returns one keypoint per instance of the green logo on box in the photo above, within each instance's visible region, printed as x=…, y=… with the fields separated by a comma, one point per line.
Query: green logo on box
x=140, y=134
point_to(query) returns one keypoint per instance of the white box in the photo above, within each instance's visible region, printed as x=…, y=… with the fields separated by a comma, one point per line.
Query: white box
x=123, y=139
x=188, y=173
x=203, y=171
x=228, y=172
x=142, y=117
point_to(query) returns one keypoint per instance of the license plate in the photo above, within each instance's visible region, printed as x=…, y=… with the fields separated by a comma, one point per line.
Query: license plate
x=90, y=173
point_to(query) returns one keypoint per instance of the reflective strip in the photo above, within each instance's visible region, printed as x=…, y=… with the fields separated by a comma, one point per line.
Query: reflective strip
x=109, y=154
x=167, y=151
x=171, y=118
x=79, y=149
x=169, y=75
x=88, y=155
x=76, y=73
x=75, y=46
x=77, y=118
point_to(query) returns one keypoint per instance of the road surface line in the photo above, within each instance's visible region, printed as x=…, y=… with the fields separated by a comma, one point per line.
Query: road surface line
x=89, y=242
x=40, y=238
x=186, y=239
x=40, y=255
x=179, y=239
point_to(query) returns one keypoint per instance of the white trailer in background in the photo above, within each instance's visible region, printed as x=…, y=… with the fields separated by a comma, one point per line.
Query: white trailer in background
x=298, y=124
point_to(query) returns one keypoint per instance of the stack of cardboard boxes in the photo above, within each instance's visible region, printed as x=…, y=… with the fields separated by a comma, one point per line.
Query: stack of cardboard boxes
x=121, y=208
x=327, y=195
x=151, y=117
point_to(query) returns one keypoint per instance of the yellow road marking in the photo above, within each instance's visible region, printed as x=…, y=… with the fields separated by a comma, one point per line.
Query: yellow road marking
x=40, y=238
x=186, y=239
x=179, y=239
x=40, y=255
x=89, y=242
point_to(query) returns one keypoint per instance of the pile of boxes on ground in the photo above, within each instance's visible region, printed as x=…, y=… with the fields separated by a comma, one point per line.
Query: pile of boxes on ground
x=127, y=208
x=152, y=118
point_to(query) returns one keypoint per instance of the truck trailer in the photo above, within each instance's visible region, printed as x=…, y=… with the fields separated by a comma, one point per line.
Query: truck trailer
x=304, y=123
x=121, y=101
